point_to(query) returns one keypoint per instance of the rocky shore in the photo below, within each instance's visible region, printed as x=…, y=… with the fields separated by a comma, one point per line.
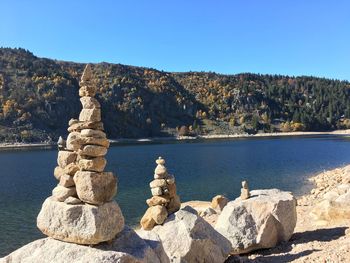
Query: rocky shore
x=20, y=146
x=322, y=232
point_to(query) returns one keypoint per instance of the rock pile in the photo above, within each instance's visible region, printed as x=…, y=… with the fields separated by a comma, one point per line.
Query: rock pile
x=164, y=199
x=81, y=209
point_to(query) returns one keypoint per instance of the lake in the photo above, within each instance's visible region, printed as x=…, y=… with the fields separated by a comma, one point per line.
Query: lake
x=202, y=169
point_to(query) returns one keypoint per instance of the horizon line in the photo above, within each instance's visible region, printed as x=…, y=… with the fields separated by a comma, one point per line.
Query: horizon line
x=184, y=72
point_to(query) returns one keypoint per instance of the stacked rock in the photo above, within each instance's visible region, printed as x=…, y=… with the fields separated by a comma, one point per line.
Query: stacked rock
x=245, y=194
x=83, y=184
x=164, y=199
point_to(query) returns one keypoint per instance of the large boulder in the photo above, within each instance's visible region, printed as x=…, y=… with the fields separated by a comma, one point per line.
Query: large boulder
x=267, y=218
x=186, y=238
x=127, y=247
x=81, y=224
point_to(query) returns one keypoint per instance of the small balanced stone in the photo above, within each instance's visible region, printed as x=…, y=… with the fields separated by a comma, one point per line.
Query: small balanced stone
x=245, y=191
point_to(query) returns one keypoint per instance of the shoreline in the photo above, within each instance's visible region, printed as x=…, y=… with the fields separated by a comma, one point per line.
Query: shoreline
x=315, y=238
x=124, y=141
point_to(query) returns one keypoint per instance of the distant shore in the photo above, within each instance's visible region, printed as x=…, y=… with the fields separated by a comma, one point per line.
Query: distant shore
x=25, y=146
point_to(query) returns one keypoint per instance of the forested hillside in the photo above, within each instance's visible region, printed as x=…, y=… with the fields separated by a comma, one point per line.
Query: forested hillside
x=38, y=96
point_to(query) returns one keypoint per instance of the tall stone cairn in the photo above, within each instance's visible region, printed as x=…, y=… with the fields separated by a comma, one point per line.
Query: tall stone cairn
x=164, y=199
x=81, y=209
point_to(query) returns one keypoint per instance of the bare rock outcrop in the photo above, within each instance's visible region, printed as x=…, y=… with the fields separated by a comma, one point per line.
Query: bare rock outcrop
x=127, y=247
x=187, y=238
x=267, y=218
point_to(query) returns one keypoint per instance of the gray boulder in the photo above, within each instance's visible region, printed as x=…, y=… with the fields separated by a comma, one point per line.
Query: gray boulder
x=81, y=224
x=187, y=238
x=127, y=247
x=267, y=218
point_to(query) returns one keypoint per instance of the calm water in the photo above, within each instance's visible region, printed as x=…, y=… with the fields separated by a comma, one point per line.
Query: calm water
x=202, y=170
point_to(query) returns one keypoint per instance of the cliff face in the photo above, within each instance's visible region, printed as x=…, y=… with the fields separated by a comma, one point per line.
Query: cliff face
x=37, y=94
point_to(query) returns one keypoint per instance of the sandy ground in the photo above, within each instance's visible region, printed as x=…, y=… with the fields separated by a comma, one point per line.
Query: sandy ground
x=312, y=241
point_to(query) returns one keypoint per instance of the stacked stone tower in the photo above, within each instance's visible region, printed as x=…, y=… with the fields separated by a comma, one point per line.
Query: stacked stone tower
x=81, y=209
x=164, y=199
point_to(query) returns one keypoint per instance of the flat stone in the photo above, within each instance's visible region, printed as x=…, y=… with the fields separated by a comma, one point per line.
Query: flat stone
x=174, y=204
x=71, y=168
x=72, y=121
x=95, y=188
x=89, y=103
x=160, y=170
x=95, y=141
x=73, y=201
x=158, y=183
x=86, y=125
x=156, y=191
x=92, y=133
x=66, y=180
x=73, y=141
x=157, y=200
x=157, y=176
x=80, y=224
x=93, y=115
x=60, y=193
x=97, y=164
x=66, y=157
x=87, y=91
x=93, y=150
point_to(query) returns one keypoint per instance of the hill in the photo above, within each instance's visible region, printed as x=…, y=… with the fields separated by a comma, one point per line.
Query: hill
x=38, y=96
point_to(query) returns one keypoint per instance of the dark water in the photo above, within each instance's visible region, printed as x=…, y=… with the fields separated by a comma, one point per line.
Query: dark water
x=202, y=170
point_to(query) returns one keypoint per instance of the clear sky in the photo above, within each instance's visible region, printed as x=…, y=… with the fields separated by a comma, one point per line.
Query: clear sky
x=294, y=37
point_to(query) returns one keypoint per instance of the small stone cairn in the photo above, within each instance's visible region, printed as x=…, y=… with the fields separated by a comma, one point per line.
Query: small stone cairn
x=245, y=194
x=164, y=199
x=81, y=209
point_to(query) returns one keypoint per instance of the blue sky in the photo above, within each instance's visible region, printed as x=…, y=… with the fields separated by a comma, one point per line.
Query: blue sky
x=294, y=37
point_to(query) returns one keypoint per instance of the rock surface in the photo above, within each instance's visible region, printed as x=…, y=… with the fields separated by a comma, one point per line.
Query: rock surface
x=187, y=238
x=81, y=224
x=66, y=157
x=219, y=202
x=335, y=205
x=95, y=188
x=127, y=247
x=267, y=218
